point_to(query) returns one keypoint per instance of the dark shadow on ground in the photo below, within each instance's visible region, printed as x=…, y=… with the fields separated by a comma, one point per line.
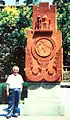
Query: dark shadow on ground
x=4, y=114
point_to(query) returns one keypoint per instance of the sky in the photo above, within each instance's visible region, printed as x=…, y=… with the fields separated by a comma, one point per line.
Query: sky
x=12, y=2
x=9, y=2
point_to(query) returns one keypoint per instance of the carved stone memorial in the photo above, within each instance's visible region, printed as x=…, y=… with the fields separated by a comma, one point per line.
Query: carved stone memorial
x=44, y=46
x=44, y=63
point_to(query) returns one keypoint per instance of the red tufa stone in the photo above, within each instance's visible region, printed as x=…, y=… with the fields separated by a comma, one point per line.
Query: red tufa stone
x=44, y=46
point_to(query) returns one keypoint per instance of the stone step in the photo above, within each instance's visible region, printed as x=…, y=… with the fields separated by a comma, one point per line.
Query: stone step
x=43, y=106
x=42, y=100
x=44, y=110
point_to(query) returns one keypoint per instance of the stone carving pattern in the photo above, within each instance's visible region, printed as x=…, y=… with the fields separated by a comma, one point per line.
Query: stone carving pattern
x=44, y=46
x=44, y=71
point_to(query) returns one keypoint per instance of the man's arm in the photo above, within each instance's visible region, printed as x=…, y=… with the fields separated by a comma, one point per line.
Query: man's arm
x=21, y=88
x=7, y=89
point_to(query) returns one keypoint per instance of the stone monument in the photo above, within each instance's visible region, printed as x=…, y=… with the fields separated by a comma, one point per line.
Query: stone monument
x=43, y=63
x=44, y=46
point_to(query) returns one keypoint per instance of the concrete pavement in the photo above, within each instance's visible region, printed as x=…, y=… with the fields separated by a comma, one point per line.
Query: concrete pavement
x=3, y=112
x=36, y=118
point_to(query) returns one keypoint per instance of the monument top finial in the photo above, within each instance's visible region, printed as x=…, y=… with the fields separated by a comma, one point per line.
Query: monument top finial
x=44, y=17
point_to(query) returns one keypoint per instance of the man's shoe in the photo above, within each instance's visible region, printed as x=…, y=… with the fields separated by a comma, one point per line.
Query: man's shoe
x=8, y=117
x=15, y=115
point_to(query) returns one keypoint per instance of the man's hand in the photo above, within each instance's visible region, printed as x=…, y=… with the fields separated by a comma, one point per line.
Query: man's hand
x=7, y=93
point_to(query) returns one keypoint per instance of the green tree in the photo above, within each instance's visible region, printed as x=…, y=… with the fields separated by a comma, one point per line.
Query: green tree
x=29, y=2
x=14, y=23
x=32, y=2
x=63, y=21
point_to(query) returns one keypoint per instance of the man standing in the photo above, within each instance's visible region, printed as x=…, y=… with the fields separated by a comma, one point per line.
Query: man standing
x=14, y=85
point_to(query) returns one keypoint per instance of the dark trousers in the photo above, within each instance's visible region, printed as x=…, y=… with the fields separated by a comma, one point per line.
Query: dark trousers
x=13, y=101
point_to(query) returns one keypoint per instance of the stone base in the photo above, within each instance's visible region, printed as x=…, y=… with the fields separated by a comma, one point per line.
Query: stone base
x=43, y=107
x=44, y=102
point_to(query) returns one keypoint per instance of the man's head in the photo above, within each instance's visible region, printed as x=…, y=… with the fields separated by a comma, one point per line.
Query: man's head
x=15, y=70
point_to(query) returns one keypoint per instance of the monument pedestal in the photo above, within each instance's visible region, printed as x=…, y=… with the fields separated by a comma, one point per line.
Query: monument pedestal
x=44, y=101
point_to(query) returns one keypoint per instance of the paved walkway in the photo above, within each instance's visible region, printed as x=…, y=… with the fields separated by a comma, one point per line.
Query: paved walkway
x=35, y=118
x=3, y=112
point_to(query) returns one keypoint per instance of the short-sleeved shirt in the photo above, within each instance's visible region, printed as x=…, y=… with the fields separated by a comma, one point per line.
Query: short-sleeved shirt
x=14, y=81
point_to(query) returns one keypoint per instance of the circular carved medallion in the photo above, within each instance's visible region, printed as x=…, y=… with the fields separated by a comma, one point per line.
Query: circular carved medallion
x=43, y=47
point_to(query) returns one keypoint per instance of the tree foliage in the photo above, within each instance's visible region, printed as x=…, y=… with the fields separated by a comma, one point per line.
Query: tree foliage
x=14, y=23
x=63, y=21
x=32, y=2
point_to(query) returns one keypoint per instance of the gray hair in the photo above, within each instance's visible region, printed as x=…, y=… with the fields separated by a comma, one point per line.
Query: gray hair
x=15, y=68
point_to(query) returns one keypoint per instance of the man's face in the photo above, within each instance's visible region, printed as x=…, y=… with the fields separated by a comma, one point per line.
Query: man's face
x=15, y=72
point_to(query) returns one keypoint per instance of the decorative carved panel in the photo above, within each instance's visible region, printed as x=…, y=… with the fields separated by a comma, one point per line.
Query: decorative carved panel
x=44, y=46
